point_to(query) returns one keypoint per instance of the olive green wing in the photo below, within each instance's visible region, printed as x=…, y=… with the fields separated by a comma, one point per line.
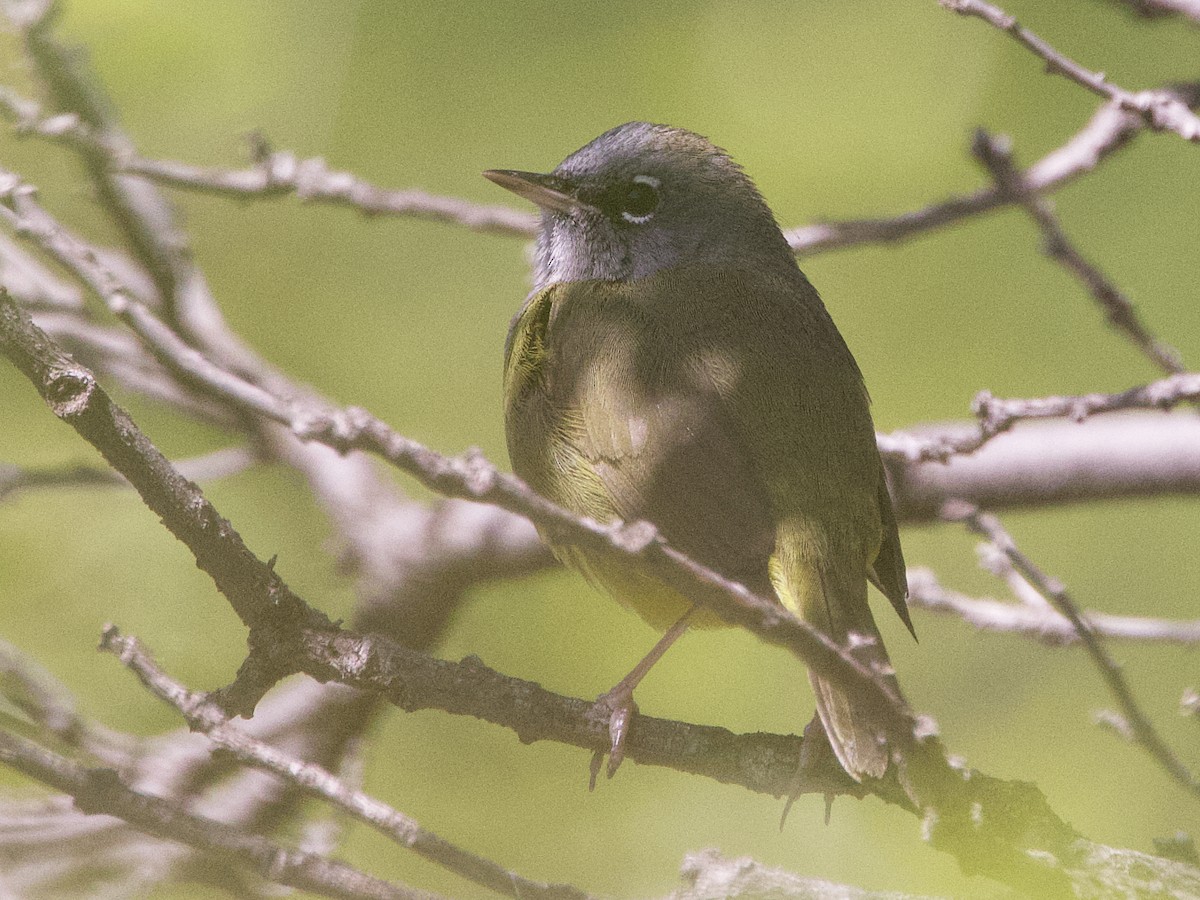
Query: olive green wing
x=610, y=415
x=806, y=425
x=888, y=572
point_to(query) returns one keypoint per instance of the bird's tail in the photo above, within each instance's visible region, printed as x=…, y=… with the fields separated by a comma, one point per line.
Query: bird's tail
x=858, y=741
x=832, y=597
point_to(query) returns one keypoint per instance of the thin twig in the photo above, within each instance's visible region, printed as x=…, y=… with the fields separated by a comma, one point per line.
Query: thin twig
x=208, y=467
x=282, y=173
x=989, y=526
x=102, y=791
x=1160, y=110
x=997, y=415
x=35, y=286
x=311, y=180
x=19, y=208
x=133, y=204
x=274, y=174
x=1048, y=627
x=204, y=715
x=996, y=155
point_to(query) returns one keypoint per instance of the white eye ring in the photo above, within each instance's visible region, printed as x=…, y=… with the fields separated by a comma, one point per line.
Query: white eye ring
x=650, y=181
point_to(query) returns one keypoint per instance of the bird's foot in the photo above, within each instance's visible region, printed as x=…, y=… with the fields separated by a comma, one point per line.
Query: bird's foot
x=815, y=754
x=616, y=709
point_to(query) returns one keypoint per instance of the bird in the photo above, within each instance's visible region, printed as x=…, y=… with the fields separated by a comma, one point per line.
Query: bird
x=673, y=364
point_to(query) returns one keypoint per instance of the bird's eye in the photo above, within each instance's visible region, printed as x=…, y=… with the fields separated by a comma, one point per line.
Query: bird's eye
x=640, y=199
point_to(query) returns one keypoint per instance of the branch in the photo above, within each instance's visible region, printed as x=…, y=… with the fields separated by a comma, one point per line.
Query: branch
x=996, y=154
x=1047, y=464
x=310, y=180
x=102, y=791
x=134, y=205
x=205, y=716
x=1159, y=109
x=1143, y=730
x=1110, y=128
x=708, y=875
x=1157, y=9
x=209, y=467
x=1044, y=625
x=316, y=722
x=996, y=416
x=282, y=174
x=34, y=286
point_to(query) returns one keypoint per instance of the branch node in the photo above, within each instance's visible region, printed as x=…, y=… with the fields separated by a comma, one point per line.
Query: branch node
x=69, y=391
x=634, y=537
x=479, y=474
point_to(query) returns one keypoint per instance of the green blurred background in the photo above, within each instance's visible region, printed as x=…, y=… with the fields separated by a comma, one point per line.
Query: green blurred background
x=861, y=107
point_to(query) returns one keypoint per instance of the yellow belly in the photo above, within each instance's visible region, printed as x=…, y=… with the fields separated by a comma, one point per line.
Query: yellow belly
x=660, y=606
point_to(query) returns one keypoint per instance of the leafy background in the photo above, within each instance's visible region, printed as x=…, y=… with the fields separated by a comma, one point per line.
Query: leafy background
x=863, y=107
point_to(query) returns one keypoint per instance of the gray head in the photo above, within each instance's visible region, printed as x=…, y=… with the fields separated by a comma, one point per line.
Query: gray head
x=641, y=198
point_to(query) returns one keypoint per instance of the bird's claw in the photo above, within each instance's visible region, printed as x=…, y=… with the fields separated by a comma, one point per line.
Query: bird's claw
x=617, y=707
x=815, y=752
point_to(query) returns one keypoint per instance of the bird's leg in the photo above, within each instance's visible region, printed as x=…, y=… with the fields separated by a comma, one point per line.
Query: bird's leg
x=815, y=752
x=618, y=705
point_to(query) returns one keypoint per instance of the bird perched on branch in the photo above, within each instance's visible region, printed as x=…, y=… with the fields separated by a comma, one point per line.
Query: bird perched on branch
x=674, y=365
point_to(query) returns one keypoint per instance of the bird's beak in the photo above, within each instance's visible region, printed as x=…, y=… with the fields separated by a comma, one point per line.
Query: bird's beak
x=547, y=191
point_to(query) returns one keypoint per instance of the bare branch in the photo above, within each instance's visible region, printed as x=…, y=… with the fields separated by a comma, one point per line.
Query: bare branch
x=34, y=286
x=282, y=173
x=209, y=467
x=203, y=715
x=1047, y=463
x=1109, y=129
x=102, y=791
x=134, y=204
x=1159, y=109
x=310, y=180
x=1047, y=626
x=1156, y=9
x=709, y=875
x=996, y=416
x=996, y=154
x=274, y=175
x=989, y=527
